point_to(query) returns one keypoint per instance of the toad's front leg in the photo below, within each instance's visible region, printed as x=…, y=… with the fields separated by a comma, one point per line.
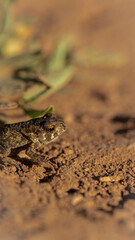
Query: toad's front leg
x=35, y=157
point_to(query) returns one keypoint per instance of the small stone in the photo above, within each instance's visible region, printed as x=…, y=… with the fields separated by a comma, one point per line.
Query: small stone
x=110, y=179
x=76, y=199
x=68, y=151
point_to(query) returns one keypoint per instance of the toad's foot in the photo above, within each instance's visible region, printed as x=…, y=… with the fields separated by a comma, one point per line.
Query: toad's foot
x=40, y=160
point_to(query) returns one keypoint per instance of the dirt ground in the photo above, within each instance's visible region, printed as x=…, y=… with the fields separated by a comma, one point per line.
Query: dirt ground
x=92, y=194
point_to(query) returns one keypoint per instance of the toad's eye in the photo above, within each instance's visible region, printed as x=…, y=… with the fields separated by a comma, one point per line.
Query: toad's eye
x=50, y=128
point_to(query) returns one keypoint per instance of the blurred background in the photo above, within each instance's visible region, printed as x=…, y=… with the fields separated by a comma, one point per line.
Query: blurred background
x=45, y=45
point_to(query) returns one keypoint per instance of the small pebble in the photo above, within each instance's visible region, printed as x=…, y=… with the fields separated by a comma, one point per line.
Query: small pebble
x=76, y=199
x=110, y=179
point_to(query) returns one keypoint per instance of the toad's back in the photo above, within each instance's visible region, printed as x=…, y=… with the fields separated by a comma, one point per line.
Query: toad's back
x=38, y=130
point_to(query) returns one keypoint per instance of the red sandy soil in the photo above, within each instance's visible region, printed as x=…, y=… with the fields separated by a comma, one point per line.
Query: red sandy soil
x=92, y=194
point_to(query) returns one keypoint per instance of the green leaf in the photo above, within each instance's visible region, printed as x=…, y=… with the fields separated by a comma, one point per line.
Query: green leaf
x=99, y=57
x=36, y=113
x=56, y=80
x=58, y=59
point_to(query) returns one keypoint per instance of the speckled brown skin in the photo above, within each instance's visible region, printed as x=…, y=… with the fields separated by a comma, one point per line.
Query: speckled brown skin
x=31, y=134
